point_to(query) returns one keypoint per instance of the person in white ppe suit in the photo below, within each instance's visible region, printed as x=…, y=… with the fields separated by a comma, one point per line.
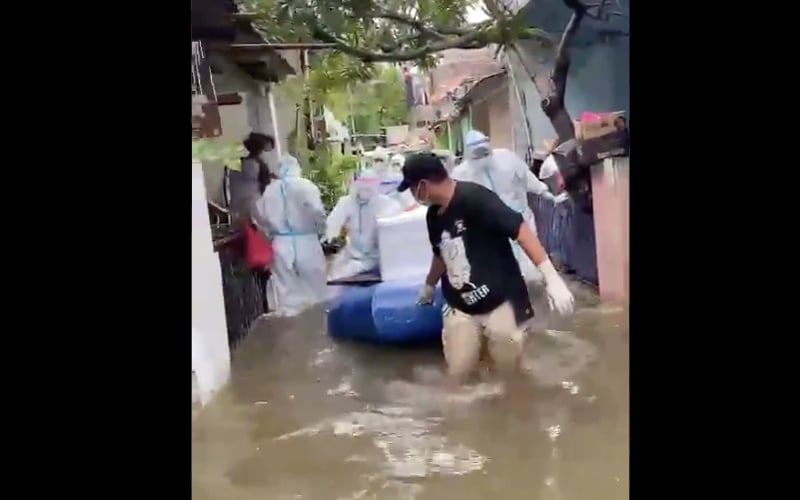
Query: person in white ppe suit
x=389, y=175
x=380, y=161
x=291, y=214
x=396, y=165
x=505, y=173
x=358, y=212
x=382, y=168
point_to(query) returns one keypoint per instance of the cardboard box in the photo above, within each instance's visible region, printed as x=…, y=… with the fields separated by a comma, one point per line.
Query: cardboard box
x=604, y=125
x=602, y=138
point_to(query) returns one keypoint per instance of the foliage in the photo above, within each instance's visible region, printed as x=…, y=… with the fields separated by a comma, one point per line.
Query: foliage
x=331, y=175
x=215, y=151
x=388, y=30
x=371, y=98
x=337, y=83
x=377, y=103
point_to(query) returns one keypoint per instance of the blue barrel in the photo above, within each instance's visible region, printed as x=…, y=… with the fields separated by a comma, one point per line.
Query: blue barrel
x=386, y=313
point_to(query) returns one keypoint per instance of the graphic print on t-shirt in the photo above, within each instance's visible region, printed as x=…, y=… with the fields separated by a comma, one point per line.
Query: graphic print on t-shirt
x=455, y=260
x=459, y=270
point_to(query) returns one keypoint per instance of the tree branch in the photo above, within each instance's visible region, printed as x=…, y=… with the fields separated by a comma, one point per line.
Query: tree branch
x=578, y=11
x=422, y=27
x=425, y=32
x=471, y=40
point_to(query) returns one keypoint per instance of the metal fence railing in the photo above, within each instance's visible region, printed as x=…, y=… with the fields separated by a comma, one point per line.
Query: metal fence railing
x=567, y=234
x=244, y=291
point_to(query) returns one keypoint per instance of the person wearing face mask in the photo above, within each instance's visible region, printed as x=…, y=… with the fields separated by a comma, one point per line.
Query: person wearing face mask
x=390, y=178
x=357, y=213
x=396, y=165
x=291, y=214
x=380, y=161
x=505, y=173
x=387, y=178
x=247, y=185
x=469, y=228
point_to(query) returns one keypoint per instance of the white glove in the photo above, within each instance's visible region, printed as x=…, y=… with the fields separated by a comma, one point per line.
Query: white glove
x=558, y=295
x=556, y=199
x=425, y=295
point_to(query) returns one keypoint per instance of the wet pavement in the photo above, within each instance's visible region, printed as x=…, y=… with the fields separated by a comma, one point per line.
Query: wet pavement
x=308, y=418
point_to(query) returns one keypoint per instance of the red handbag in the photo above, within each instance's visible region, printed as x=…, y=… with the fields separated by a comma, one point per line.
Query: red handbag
x=257, y=249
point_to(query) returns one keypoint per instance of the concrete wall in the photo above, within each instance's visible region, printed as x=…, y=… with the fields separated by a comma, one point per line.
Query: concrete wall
x=234, y=130
x=610, y=189
x=210, y=353
x=260, y=117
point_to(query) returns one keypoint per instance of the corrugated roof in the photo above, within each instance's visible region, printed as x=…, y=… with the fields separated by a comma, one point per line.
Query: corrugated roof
x=212, y=20
x=483, y=82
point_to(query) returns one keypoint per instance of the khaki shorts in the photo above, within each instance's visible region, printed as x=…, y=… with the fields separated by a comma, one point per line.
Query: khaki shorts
x=463, y=336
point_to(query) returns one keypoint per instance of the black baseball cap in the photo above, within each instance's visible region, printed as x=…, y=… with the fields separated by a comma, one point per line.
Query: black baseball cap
x=421, y=167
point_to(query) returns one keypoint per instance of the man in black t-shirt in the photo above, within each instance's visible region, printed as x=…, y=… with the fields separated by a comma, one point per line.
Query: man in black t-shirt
x=469, y=228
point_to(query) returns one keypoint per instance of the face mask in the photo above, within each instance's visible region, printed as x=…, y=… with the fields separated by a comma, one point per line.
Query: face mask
x=480, y=152
x=481, y=157
x=483, y=163
x=418, y=198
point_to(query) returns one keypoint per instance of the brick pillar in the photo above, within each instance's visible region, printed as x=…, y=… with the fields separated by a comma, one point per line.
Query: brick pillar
x=611, y=220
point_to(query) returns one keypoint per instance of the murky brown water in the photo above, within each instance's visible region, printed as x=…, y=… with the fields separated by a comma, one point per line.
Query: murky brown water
x=307, y=418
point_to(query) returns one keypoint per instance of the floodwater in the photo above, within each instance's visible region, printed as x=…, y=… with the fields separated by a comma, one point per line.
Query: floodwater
x=308, y=418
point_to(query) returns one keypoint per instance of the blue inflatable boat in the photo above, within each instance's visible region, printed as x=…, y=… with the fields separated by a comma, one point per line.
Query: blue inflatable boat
x=386, y=313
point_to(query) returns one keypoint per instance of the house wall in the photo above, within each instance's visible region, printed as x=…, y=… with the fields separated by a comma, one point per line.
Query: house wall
x=254, y=114
x=210, y=353
x=461, y=127
x=491, y=115
x=234, y=130
x=500, y=129
x=480, y=117
x=260, y=116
